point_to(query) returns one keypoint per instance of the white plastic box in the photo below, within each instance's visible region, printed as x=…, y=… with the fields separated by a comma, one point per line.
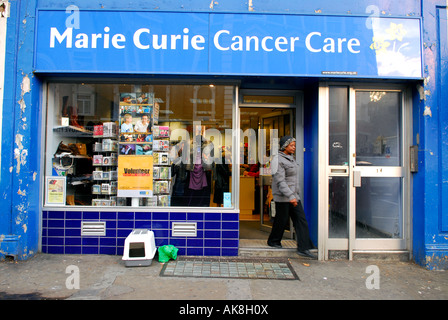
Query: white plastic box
x=139, y=248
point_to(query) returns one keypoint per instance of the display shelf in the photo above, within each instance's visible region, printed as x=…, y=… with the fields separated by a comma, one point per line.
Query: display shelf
x=104, y=161
x=72, y=131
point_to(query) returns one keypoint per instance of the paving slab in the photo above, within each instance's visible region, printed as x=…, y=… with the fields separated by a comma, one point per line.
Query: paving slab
x=104, y=277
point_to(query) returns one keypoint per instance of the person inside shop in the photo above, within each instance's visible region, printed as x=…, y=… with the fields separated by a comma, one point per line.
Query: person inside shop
x=127, y=124
x=142, y=125
x=179, y=174
x=252, y=170
x=199, y=168
x=285, y=190
x=221, y=177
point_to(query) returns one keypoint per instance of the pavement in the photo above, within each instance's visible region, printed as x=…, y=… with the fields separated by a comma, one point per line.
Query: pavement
x=104, y=277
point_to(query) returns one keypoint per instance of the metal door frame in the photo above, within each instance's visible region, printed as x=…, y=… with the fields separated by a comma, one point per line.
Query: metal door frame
x=293, y=129
x=352, y=244
x=297, y=125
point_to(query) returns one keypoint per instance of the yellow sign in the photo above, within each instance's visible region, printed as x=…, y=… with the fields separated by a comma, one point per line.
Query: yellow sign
x=135, y=175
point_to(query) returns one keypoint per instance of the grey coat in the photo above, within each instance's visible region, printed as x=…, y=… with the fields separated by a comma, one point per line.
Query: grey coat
x=285, y=178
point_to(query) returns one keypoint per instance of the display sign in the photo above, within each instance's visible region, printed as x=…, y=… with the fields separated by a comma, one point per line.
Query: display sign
x=137, y=42
x=143, y=160
x=55, y=187
x=135, y=176
x=135, y=157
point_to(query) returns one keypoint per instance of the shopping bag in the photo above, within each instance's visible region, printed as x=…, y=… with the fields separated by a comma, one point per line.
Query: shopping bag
x=167, y=252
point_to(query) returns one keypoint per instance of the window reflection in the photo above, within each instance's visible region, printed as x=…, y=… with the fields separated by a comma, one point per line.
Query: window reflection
x=170, y=139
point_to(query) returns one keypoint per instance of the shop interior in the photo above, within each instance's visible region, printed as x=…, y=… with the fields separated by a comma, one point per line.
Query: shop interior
x=75, y=109
x=256, y=201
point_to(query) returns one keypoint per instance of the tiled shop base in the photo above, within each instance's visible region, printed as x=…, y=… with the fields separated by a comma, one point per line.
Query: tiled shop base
x=274, y=269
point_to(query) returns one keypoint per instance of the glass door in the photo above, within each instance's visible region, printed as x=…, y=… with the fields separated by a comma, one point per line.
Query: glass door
x=261, y=129
x=264, y=118
x=377, y=170
x=280, y=123
x=366, y=190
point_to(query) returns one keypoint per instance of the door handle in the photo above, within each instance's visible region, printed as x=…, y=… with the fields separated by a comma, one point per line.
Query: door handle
x=357, y=178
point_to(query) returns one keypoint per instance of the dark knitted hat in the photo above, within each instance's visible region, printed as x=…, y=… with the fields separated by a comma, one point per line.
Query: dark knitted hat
x=285, y=141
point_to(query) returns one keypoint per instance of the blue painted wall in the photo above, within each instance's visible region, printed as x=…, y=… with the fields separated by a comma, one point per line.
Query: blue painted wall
x=19, y=224
x=21, y=148
x=430, y=207
x=344, y=7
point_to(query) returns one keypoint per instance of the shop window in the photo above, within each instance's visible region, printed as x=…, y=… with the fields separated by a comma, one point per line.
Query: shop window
x=140, y=145
x=85, y=103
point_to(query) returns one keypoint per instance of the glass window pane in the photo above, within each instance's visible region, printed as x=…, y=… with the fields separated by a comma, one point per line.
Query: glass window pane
x=337, y=207
x=378, y=128
x=141, y=145
x=338, y=127
x=379, y=210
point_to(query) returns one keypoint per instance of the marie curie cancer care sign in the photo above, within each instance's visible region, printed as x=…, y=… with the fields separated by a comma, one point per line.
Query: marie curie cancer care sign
x=139, y=42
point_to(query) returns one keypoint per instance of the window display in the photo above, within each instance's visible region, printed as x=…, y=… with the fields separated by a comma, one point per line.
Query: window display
x=141, y=145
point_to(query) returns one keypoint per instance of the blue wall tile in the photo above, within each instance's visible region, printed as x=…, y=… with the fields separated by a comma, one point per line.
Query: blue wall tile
x=212, y=252
x=212, y=225
x=53, y=232
x=230, y=243
x=230, y=225
x=88, y=241
x=230, y=234
x=108, y=215
x=108, y=242
x=108, y=250
x=212, y=234
x=160, y=216
x=229, y=252
x=193, y=242
x=160, y=224
x=217, y=233
x=55, y=241
x=125, y=216
x=87, y=215
x=125, y=224
x=73, y=223
x=123, y=233
x=55, y=249
x=212, y=243
x=143, y=216
x=71, y=241
x=89, y=250
x=230, y=216
x=178, y=216
x=195, y=216
x=182, y=251
x=73, y=232
x=194, y=251
x=73, y=215
x=209, y=216
x=73, y=250
x=111, y=224
x=143, y=224
x=178, y=242
x=56, y=214
x=55, y=223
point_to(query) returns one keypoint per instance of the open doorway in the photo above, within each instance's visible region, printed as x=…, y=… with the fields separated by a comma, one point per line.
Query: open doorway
x=268, y=117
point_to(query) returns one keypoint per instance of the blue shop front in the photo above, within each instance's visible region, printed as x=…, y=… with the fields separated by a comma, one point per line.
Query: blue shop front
x=168, y=121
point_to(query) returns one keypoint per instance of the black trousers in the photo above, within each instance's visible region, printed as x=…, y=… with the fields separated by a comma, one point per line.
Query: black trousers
x=283, y=211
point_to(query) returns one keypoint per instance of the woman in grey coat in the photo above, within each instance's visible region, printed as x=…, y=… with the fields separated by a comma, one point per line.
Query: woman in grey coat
x=285, y=190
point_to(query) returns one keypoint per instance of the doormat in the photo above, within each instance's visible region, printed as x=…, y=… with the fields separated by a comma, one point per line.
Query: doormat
x=228, y=268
